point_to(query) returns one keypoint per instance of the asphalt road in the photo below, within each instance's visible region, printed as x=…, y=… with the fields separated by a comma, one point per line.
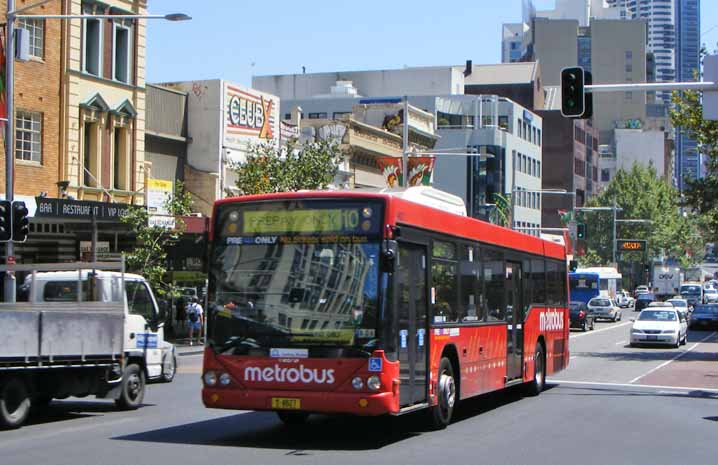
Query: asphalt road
x=614, y=405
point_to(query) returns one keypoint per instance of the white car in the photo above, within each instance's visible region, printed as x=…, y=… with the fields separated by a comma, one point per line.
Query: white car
x=680, y=304
x=659, y=325
x=604, y=308
x=710, y=296
x=624, y=299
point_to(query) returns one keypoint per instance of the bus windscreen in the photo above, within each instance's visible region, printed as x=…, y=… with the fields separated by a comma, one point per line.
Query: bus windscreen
x=295, y=275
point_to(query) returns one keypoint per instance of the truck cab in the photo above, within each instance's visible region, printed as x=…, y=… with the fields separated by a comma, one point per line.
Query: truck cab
x=144, y=325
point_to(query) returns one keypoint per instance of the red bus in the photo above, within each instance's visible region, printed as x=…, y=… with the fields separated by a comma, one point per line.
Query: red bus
x=371, y=304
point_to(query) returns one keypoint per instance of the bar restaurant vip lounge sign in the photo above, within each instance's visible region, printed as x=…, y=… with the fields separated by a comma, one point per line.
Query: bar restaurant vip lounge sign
x=79, y=209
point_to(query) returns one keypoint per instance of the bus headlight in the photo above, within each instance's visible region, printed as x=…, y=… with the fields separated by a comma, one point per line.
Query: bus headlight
x=373, y=383
x=357, y=383
x=210, y=378
x=224, y=379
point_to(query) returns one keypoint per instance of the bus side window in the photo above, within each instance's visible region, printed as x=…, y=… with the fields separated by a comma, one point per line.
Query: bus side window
x=538, y=282
x=471, y=289
x=444, y=292
x=494, y=279
x=554, y=287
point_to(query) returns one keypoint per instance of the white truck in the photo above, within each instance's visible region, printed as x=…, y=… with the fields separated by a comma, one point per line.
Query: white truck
x=80, y=332
x=666, y=281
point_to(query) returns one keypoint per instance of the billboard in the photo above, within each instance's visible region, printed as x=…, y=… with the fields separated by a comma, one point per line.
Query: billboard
x=250, y=117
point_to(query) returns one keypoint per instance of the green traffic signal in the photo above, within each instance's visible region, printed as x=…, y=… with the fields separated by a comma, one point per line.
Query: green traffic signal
x=581, y=231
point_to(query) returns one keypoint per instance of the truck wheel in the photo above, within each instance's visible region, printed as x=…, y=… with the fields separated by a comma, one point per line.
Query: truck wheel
x=15, y=403
x=169, y=367
x=534, y=387
x=132, y=391
x=441, y=413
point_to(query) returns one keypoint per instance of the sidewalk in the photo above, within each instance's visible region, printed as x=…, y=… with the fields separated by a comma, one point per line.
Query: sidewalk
x=183, y=348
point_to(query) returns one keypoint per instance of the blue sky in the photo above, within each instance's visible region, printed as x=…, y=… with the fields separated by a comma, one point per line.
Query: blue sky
x=235, y=39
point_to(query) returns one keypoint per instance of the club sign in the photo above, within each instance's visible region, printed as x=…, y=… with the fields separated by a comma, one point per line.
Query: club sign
x=631, y=245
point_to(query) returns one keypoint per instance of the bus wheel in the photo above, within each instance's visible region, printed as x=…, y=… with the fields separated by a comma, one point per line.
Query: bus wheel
x=14, y=403
x=535, y=386
x=293, y=418
x=443, y=410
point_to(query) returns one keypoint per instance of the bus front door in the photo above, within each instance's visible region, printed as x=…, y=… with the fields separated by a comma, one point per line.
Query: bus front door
x=412, y=315
x=514, y=320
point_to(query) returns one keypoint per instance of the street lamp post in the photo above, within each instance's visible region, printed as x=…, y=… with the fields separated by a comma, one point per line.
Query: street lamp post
x=12, y=16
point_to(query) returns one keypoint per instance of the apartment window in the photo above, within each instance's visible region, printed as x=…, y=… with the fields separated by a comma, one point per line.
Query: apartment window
x=538, y=134
x=121, y=56
x=317, y=116
x=121, y=156
x=521, y=128
x=36, y=28
x=628, y=97
x=92, y=41
x=341, y=114
x=28, y=136
x=90, y=154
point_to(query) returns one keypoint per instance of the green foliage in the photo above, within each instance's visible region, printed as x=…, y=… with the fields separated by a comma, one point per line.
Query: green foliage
x=503, y=209
x=701, y=195
x=642, y=195
x=149, y=256
x=307, y=166
x=591, y=258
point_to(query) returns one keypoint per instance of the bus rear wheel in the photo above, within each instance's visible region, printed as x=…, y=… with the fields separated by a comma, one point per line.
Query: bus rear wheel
x=293, y=418
x=535, y=386
x=446, y=393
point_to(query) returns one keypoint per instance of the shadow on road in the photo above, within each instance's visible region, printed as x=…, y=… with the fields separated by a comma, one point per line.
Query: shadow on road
x=63, y=410
x=711, y=418
x=629, y=392
x=336, y=432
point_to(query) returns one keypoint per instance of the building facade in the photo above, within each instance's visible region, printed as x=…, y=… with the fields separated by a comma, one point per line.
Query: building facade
x=103, y=90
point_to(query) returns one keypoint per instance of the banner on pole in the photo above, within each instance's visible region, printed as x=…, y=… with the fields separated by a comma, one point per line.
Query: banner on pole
x=419, y=168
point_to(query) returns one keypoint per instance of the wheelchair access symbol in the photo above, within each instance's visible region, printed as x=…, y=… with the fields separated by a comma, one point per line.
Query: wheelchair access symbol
x=375, y=364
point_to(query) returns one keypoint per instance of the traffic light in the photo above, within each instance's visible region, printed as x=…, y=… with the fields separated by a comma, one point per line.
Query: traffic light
x=573, y=98
x=20, y=222
x=587, y=97
x=581, y=231
x=5, y=221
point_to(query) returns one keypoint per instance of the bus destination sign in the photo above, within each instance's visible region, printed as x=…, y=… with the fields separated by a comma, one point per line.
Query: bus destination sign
x=309, y=221
x=631, y=245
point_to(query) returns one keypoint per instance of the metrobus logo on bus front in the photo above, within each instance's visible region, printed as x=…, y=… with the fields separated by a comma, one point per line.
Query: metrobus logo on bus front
x=289, y=375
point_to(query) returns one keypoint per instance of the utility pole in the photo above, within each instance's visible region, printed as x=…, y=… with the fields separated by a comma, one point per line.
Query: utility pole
x=614, y=231
x=9, y=281
x=405, y=151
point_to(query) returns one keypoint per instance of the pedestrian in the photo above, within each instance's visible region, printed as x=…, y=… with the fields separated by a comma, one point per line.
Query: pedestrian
x=195, y=315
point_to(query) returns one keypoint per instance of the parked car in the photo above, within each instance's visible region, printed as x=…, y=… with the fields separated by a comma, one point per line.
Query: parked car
x=659, y=325
x=640, y=290
x=605, y=308
x=580, y=316
x=643, y=300
x=710, y=296
x=704, y=316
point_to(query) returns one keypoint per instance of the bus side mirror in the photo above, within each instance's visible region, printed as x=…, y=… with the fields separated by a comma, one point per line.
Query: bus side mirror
x=388, y=256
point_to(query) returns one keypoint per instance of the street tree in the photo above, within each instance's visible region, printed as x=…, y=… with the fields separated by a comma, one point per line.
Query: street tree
x=149, y=256
x=701, y=195
x=297, y=166
x=643, y=195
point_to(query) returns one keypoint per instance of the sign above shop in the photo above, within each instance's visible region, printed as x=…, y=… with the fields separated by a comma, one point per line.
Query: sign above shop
x=79, y=209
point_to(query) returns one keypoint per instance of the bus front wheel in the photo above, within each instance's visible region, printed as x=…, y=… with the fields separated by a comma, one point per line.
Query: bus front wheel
x=293, y=418
x=446, y=393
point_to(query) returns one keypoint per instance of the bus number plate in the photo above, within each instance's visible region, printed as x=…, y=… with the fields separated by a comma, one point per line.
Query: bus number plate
x=284, y=403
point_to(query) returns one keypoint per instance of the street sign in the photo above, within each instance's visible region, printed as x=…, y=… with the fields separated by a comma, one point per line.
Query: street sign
x=710, y=97
x=631, y=245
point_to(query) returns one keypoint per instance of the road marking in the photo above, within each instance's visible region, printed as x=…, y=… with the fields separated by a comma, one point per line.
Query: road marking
x=70, y=429
x=673, y=359
x=644, y=386
x=588, y=333
x=621, y=343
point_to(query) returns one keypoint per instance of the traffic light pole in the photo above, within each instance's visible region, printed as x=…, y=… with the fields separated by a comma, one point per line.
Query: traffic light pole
x=9, y=281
